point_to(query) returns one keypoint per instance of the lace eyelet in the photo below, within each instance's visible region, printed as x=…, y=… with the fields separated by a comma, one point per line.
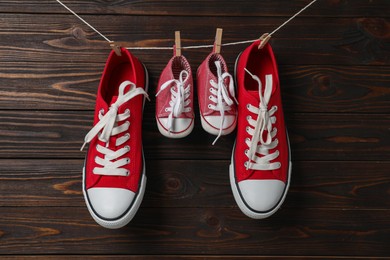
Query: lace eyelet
x=210, y=97
x=247, y=106
x=247, y=128
x=248, y=118
x=211, y=89
x=166, y=109
x=246, y=151
x=211, y=81
x=127, y=173
x=128, y=148
x=101, y=111
x=127, y=135
x=209, y=106
x=127, y=111
x=247, y=139
x=128, y=160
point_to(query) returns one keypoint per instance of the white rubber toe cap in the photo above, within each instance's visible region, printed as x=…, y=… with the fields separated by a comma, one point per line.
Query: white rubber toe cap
x=215, y=121
x=178, y=124
x=261, y=195
x=110, y=203
x=211, y=124
x=181, y=127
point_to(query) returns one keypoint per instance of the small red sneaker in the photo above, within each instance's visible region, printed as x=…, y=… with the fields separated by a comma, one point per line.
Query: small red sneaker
x=114, y=172
x=261, y=166
x=174, y=102
x=217, y=102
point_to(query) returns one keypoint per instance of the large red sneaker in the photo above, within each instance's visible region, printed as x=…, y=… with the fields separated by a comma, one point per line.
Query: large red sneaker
x=217, y=102
x=114, y=172
x=261, y=166
x=174, y=102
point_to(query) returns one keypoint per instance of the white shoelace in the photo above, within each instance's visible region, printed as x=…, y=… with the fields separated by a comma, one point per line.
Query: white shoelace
x=107, y=123
x=179, y=98
x=265, y=120
x=220, y=95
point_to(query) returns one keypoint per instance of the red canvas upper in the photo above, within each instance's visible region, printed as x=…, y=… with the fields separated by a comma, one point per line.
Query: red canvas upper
x=172, y=71
x=260, y=63
x=117, y=70
x=207, y=71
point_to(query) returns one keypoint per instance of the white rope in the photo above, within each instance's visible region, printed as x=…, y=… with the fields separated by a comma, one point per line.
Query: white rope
x=187, y=47
x=292, y=17
x=81, y=19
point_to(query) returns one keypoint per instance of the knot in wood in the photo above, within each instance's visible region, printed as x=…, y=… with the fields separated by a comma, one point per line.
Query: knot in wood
x=78, y=33
x=376, y=27
x=173, y=183
x=212, y=221
x=323, y=86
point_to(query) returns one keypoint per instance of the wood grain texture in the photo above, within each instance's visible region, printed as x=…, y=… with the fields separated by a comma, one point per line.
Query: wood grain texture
x=211, y=231
x=195, y=183
x=72, y=86
x=185, y=257
x=334, y=65
x=203, y=7
x=335, y=89
x=342, y=41
x=59, y=134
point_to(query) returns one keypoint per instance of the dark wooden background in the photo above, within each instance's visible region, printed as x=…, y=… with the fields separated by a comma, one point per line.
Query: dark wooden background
x=335, y=78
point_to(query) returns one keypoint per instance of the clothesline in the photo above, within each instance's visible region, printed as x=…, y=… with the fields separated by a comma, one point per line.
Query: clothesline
x=186, y=47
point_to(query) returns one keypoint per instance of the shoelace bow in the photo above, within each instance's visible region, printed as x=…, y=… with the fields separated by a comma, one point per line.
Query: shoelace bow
x=178, y=103
x=106, y=124
x=265, y=119
x=223, y=100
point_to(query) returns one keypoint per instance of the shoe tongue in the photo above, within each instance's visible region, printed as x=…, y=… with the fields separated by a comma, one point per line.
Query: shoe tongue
x=214, y=77
x=113, y=100
x=254, y=94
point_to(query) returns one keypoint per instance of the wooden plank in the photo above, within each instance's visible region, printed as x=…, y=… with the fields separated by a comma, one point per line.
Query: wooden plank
x=348, y=41
x=338, y=137
x=72, y=86
x=183, y=257
x=204, y=8
x=189, y=183
x=212, y=231
x=335, y=89
x=324, y=137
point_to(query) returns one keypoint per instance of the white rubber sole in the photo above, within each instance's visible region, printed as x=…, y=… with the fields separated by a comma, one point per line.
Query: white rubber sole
x=130, y=213
x=168, y=134
x=209, y=129
x=239, y=200
x=243, y=206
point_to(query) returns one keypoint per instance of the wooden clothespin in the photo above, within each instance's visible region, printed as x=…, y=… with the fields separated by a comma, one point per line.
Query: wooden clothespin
x=116, y=48
x=218, y=40
x=264, y=39
x=177, y=44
